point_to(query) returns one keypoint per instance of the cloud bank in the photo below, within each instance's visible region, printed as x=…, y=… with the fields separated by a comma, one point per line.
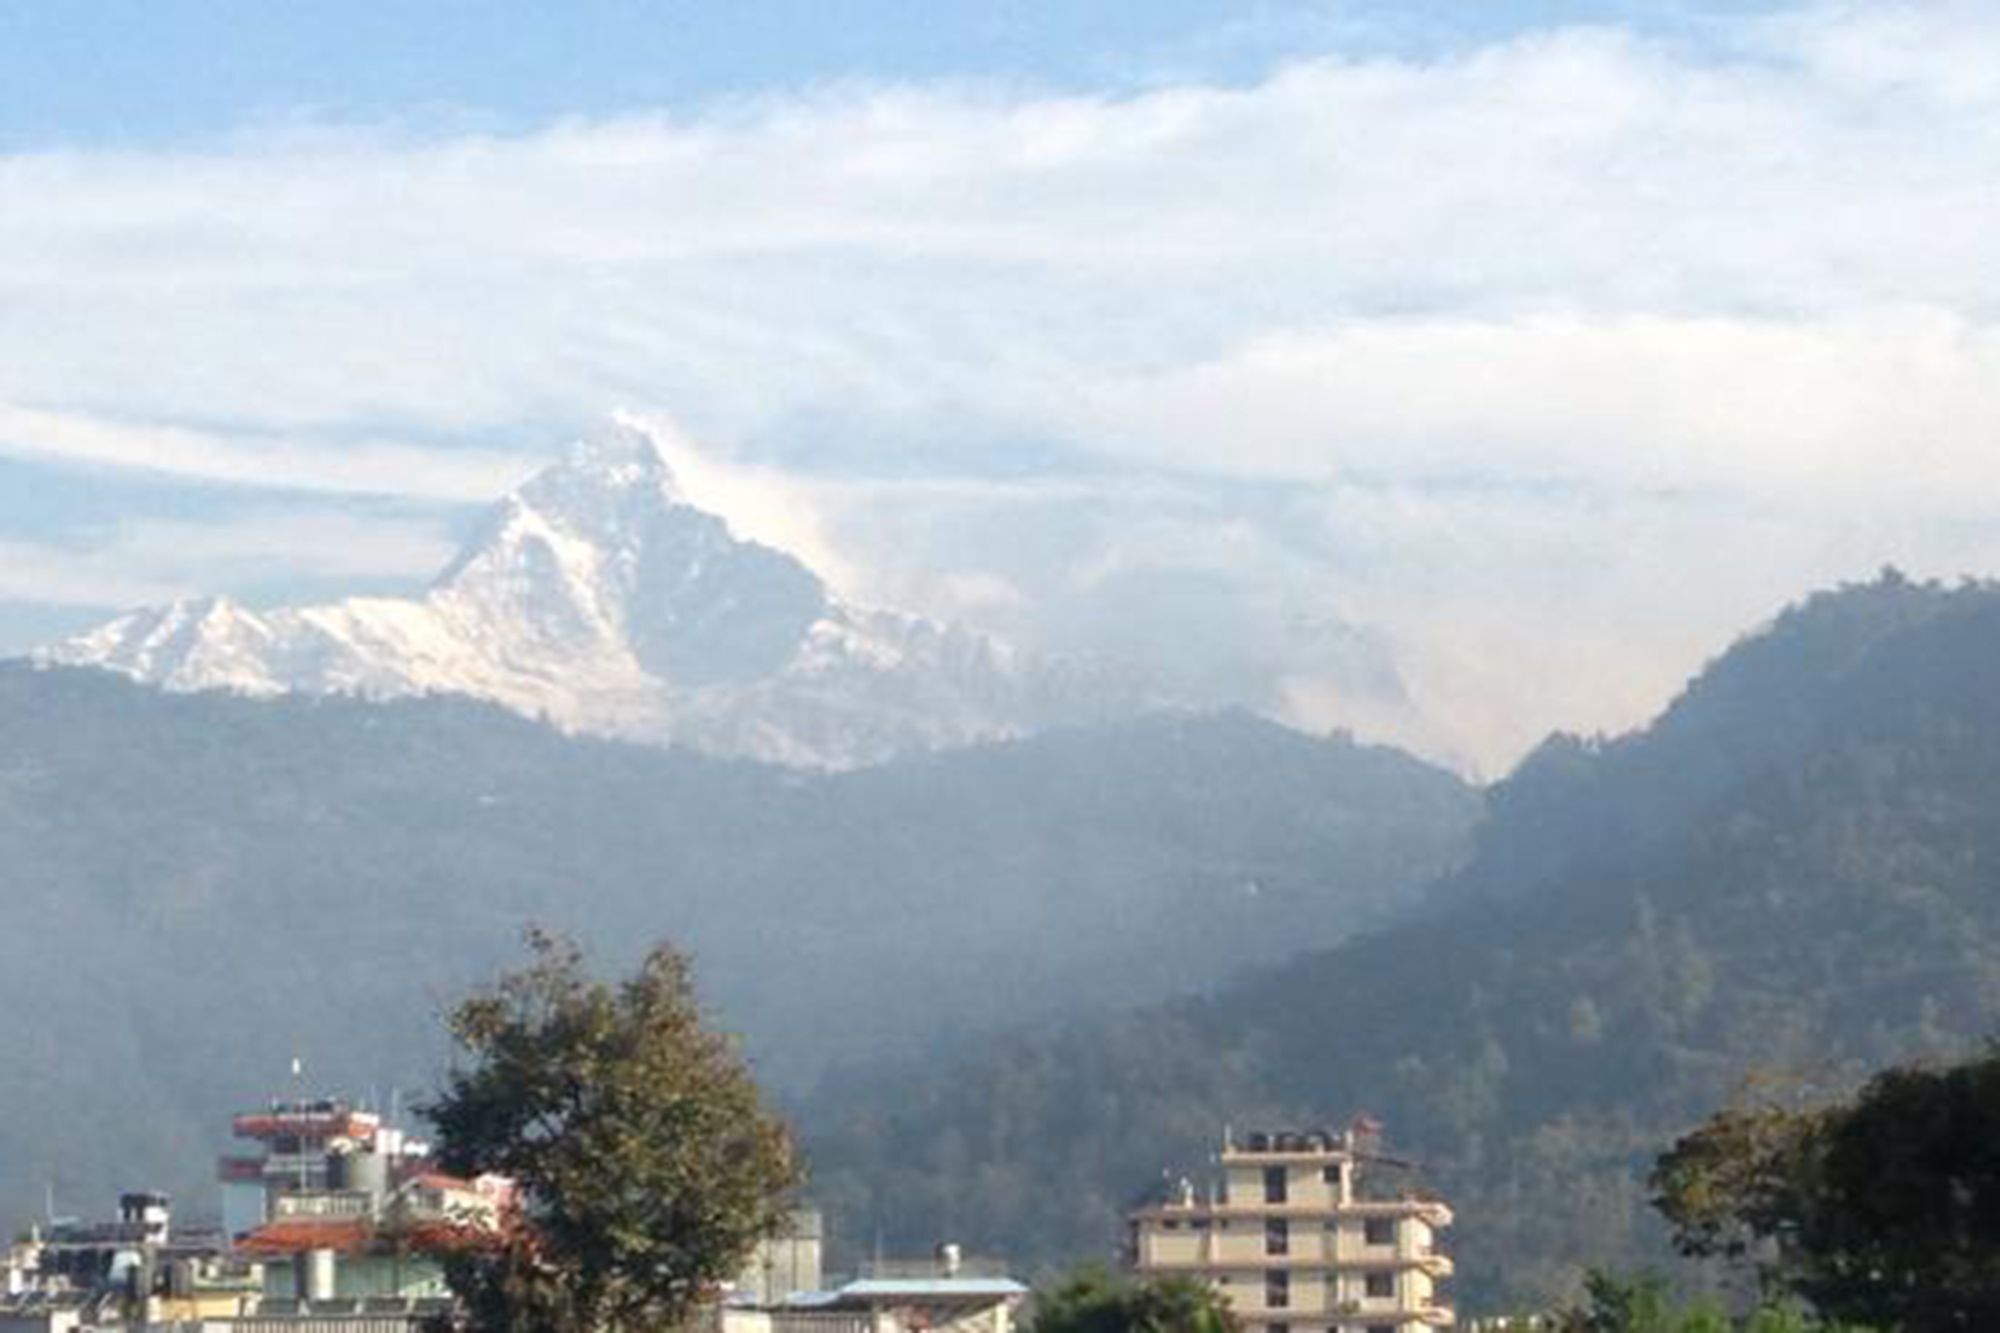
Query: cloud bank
x=1454, y=398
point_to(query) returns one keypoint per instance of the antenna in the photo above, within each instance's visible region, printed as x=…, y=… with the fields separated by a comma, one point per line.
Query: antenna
x=298, y=1109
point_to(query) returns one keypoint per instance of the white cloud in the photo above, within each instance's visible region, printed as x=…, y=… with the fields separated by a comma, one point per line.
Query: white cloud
x=150, y=560
x=1948, y=50
x=1899, y=406
x=326, y=545
x=262, y=462
x=1551, y=336
x=41, y=574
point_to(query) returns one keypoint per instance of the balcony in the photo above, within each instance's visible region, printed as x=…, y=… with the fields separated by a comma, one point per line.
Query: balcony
x=1436, y=1265
x=240, y=1170
x=1431, y=1211
x=323, y=1203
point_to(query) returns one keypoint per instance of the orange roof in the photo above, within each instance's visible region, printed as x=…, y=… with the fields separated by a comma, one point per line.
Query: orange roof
x=291, y=1235
x=306, y=1124
x=355, y=1235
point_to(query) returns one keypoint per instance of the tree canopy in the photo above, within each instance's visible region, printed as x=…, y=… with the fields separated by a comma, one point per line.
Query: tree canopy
x=1884, y=1208
x=1645, y=1304
x=1093, y=1300
x=646, y=1164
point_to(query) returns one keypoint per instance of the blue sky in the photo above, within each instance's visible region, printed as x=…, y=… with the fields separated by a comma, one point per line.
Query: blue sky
x=1374, y=363
x=145, y=72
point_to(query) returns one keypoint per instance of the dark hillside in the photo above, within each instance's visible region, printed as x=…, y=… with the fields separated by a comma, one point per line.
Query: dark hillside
x=1797, y=868
x=199, y=887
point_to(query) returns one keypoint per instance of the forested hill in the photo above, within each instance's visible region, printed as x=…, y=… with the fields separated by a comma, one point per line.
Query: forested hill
x=1576, y=806
x=1797, y=868
x=200, y=887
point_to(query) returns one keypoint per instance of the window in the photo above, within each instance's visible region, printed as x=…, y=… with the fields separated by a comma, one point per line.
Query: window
x=1381, y=1284
x=1379, y=1231
x=1198, y=1224
x=1332, y=1176
x=1274, y=1184
x=1277, y=1236
x=1274, y=1328
x=1381, y=1328
x=1277, y=1290
x=1171, y=1225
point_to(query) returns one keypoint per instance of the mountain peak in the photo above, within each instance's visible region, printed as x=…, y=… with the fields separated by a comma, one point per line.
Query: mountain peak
x=603, y=484
x=599, y=596
x=621, y=452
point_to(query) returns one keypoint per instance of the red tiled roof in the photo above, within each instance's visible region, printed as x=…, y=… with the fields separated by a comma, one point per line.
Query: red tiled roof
x=348, y=1235
x=356, y=1235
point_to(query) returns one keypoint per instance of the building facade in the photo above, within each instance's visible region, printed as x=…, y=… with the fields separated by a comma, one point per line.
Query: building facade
x=342, y=1226
x=349, y=1210
x=1296, y=1243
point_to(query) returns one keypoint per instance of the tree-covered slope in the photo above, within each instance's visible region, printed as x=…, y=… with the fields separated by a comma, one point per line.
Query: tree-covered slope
x=1796, y=868
x=199, y=887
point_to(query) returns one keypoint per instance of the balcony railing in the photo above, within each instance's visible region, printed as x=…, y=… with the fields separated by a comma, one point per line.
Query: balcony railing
x=327, y=1203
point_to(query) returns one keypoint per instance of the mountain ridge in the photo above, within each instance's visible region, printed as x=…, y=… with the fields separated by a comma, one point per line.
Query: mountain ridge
x=1820, y=897
x=206, y=885
x=599, y=597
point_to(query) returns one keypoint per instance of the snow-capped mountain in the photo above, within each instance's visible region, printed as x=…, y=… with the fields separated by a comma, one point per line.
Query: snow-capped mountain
x=598, y=597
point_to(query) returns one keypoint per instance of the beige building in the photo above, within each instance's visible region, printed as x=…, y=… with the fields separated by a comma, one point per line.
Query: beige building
x=1296, y=1242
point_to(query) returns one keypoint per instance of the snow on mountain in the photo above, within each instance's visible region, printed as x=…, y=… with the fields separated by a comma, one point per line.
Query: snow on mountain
x=598, y=597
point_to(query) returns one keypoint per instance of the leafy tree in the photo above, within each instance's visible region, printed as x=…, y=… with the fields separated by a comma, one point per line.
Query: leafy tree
x=1885, y=1208
x=1643, y=1304
x=1623, y=1305
x=646, y=1165
x=1094, y=1301
x=1737, y=1187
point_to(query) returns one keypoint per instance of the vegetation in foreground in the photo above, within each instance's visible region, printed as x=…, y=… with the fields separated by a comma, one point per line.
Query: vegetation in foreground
x=1095, y=1300
x=1883, y=1208
x=646, y=1164
x=1646, y=1305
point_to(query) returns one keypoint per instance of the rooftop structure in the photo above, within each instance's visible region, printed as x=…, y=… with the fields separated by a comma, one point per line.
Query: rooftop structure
x=945, y=1292
x=335, y=1188
x=301, y=1143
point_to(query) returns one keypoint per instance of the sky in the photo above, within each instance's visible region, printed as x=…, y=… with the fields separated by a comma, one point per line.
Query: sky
x=1448, y=372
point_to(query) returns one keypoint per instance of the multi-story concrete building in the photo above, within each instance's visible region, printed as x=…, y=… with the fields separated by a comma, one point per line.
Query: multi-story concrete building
x=1296, y=1243
x=349, y=1209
